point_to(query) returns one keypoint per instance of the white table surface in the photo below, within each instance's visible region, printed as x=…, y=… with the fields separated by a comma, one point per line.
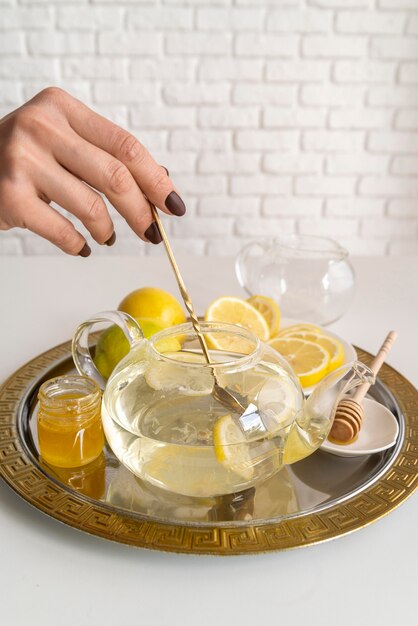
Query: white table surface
x=53, y=575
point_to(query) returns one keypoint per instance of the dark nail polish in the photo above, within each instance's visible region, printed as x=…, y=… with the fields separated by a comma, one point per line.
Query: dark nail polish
x=111, y=239
x=168, y=173
x=153, y=234
x=85, y=251
x=175, y=204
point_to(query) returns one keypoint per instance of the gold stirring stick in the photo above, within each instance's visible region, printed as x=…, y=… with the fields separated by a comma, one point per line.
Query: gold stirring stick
x=221, y=394
x=184, y=293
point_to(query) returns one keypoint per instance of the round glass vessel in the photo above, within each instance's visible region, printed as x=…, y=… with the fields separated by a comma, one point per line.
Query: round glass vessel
x=166, y=421
x=310, y=277
x=162, y=419
x=70, y=429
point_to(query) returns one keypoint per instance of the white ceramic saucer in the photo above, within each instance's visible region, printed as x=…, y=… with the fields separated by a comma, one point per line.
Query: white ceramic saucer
x=379, y=432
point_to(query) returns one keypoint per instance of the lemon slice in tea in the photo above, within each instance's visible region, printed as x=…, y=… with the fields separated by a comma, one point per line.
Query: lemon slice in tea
x=278, y=401
x=231, y=448
x=167, y=376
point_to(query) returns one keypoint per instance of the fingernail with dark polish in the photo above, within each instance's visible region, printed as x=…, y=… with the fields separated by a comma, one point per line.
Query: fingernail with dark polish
x=153, y=234
x=111, y=239
x=175, y=204
x=168, y=173
x=85, y=251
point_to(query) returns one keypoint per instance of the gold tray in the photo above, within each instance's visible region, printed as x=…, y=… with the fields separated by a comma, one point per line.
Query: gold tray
x=315, y=500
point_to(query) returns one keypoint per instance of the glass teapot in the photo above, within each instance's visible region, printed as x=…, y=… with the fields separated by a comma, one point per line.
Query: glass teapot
x=310, y=277
x=164, y=422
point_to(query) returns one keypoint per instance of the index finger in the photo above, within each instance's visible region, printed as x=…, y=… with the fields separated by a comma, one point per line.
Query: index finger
x=151, y=177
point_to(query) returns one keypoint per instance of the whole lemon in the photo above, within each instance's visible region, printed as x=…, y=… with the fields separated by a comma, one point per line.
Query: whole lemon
x=155, y=304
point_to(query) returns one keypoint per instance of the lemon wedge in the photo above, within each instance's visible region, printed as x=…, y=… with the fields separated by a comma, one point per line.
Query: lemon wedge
x=269, y=309
x=309, y=360
x=231, y=449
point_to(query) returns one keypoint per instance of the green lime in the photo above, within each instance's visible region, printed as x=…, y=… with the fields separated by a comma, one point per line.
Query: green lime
x=113, y=346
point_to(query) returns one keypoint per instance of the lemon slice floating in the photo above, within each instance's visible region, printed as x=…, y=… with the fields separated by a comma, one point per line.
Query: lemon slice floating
x=186, y=356
x=308, y=360
x=269, y=309
x=231, y=449
x=296, y=447
x=236, y=311
x=163, y=376
x=278, y=401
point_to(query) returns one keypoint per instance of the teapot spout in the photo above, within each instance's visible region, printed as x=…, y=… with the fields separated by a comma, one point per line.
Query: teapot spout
x=360, y=375
x=321, y=405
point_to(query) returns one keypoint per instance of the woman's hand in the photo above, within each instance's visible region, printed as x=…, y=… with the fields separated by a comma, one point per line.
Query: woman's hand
x=50, y=148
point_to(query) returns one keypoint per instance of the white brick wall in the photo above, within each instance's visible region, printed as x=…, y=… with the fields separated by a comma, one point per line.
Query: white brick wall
x=293, y=116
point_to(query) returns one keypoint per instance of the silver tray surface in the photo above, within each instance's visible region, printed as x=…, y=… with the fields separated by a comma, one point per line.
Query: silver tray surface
x=316, y=499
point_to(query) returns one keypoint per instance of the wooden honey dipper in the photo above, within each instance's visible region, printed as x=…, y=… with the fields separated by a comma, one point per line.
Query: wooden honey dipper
x=350, y=413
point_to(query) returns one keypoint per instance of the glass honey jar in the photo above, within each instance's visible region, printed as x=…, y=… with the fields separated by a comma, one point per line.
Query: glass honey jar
x=70, y=429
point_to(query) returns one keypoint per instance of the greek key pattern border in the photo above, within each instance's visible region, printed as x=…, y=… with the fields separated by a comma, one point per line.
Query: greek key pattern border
x=18, y=470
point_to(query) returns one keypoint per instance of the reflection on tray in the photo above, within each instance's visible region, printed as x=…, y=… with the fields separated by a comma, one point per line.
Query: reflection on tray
x=331, y=476
x=275, y=497
x=88, y=479
x=315, y=481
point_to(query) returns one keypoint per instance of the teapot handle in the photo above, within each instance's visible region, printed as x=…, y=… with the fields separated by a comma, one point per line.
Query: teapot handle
x=80, y=344
x=241, y=268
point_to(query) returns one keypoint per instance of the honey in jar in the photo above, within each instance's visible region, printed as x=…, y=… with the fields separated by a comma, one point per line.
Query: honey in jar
x=70, y=429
